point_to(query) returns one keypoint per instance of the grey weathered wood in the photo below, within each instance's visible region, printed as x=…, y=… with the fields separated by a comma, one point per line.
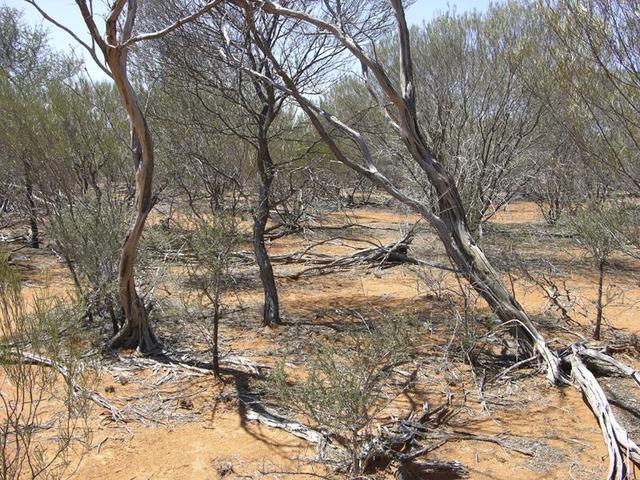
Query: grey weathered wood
x=621, y=448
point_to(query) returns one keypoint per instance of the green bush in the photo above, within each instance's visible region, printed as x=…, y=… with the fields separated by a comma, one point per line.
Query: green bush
x=347, y=386
x=211, y=243
x=38, y=342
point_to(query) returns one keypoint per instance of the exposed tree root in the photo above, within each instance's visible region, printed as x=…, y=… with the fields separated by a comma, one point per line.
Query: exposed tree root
x=139, y=336
x=622, y=450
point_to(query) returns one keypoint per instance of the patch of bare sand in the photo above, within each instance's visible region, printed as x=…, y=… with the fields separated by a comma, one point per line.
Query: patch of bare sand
x=224, y=446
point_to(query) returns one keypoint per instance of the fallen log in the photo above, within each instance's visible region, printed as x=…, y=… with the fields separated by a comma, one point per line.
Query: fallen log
x=272, y=420
x=378, y=256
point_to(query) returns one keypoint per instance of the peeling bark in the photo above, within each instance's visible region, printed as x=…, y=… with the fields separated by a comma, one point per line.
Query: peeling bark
x=137, y=331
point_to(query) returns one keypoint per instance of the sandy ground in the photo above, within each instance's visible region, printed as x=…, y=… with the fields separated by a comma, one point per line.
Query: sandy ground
x=563, y=438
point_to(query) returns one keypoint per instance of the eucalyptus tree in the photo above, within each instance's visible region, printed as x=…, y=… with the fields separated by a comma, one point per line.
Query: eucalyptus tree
x=200, y=63
x=347, y=22
x=215, y=168
x=114, y=45
x=560, y=184
x=571, y=156
x=396, y=94
x=476, y=108
x=61, y=134
x=234, y=107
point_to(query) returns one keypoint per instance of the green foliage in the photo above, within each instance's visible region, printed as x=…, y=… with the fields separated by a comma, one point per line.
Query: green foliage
x=44, y=331
x=587, y=64
x=348, y=385
x=604, y=228
x=89, y=233
x=211, y=243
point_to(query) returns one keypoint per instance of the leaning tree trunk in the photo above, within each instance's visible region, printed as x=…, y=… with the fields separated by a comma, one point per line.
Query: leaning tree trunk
x=478, y=271
x=450, y=219
x=136, y=332
x=453, y=230
x=271, y=311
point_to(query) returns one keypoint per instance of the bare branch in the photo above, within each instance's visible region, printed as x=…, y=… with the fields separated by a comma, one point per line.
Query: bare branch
x=97, y=39
x=177, y=24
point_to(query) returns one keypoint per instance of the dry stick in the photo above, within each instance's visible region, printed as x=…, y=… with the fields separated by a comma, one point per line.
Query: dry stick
x=497, y=439
x=395, y=444
x=95, y=397
x=275, y=421
x=598, y=355
x=514, y=367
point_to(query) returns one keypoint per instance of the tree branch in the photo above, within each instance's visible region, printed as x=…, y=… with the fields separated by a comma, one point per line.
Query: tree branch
x=86, y=46
x=177, y=24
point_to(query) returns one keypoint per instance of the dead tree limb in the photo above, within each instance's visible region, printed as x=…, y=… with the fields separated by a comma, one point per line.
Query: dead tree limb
x=32, y=358
x=383, y=256
x=622, y=450
x=400, y=442
x=273, y=420
x=604, y=358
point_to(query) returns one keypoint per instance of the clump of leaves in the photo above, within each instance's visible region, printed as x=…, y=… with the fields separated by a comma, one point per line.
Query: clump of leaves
x=348, y=385
x=88, y=234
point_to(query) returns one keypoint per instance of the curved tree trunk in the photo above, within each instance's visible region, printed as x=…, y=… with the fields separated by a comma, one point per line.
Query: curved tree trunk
x=136, y=332
x=114, y=46
x=271, y=311
x=450, y=219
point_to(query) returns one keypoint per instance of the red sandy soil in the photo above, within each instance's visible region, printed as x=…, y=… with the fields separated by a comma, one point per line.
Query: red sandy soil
x=217, y=444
